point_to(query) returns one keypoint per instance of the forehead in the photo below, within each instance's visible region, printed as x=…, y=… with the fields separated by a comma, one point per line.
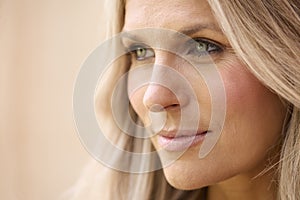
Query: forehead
x=171, y=14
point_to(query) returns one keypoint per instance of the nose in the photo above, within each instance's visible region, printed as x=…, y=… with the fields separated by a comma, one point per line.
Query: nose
x=158, y=98
x=166, y=90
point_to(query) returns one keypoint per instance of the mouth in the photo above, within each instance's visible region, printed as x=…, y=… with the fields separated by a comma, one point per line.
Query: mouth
x=180, y=140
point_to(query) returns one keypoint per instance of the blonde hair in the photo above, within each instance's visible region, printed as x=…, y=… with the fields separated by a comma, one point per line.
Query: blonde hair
x=265, y=35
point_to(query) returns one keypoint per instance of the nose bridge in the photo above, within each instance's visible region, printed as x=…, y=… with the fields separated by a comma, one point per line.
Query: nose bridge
x=165, y=58
x=162, y=89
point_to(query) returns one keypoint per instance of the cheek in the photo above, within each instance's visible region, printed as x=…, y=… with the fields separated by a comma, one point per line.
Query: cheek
x=136, y=100
x=247, y=97
x=254, y=117
x=243, y=91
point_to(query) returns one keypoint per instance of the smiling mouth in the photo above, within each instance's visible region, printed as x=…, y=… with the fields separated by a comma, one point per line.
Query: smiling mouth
x=180, y=140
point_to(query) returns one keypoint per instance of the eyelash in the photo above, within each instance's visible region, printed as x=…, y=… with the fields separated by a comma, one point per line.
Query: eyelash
x=133, y=50
x=211, y=48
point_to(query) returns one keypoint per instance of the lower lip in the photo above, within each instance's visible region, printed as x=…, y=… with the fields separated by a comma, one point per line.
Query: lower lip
x=180, y=143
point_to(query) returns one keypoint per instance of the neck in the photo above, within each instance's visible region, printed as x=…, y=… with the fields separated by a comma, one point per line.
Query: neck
x=246, y=186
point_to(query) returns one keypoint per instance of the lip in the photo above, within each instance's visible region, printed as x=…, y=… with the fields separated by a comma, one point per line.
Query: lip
x=180, y=140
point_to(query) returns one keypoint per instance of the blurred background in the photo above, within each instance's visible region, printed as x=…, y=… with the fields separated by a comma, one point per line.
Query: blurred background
x=42, y=46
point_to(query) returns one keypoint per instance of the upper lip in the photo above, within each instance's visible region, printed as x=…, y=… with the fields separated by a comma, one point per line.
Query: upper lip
x=181, y=133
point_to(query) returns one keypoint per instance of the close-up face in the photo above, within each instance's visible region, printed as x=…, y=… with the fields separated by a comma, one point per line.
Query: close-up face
x=254, y=115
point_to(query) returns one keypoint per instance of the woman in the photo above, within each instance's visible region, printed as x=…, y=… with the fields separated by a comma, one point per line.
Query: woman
x=255, y=46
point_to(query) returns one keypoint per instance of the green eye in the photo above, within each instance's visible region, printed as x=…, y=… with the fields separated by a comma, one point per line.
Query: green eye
x=203, y=47
x=142, y=53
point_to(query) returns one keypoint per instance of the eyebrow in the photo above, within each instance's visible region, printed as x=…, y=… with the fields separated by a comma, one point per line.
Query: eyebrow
x=185, y=30
x=127, y=34
x=199, y=27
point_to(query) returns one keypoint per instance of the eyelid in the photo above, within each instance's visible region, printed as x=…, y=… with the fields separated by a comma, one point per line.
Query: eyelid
x=135, y=46
x=191, y=50
x=132, y=46
x=202, y=39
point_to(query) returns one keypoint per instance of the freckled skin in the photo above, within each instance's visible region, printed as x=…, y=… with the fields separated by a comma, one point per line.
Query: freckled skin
x=254, y=115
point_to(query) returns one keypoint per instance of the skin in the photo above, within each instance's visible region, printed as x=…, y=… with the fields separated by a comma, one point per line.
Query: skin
x=254, y=115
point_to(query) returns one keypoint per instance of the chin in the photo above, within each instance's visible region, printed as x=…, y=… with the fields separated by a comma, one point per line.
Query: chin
x=186, y=174
x=184, y=178
x=182, y=183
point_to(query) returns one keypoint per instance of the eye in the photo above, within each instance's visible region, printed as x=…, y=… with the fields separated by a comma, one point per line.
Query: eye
x=202, y=47
x=141, y=53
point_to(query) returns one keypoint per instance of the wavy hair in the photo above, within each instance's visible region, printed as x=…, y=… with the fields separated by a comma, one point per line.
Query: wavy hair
x=266, y=37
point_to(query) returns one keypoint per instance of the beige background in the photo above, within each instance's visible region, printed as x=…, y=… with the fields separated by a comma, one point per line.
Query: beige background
x=42, y=45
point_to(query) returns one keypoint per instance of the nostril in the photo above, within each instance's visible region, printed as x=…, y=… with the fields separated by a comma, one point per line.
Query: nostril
x=160, y=108
x=158, y=97
x=156, y=108
x=172, y=106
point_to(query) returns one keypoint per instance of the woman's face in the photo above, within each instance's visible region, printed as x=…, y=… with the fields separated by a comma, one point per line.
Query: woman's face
x=254, y=115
